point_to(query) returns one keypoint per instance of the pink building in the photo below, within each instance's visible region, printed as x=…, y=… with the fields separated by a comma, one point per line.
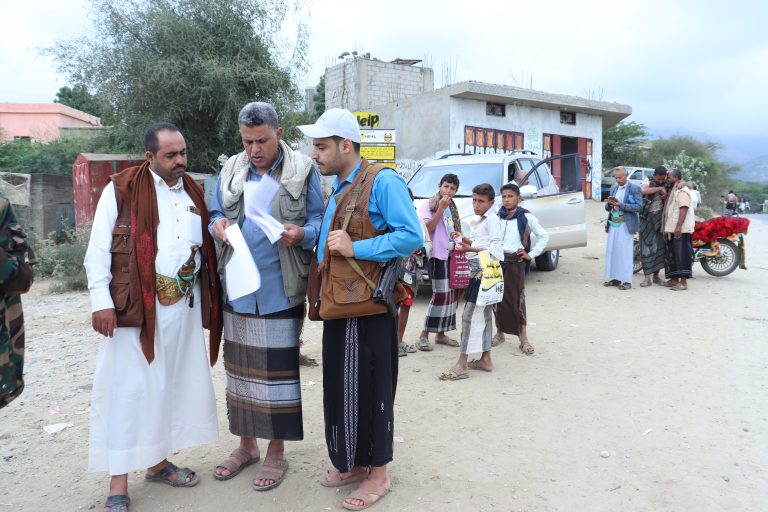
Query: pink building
x=41, y=121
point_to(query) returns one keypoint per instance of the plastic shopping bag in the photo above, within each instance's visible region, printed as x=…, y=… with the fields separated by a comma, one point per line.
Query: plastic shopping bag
x=492, y=282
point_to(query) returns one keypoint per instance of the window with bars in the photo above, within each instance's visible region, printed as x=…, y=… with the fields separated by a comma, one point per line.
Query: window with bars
x=568, y=118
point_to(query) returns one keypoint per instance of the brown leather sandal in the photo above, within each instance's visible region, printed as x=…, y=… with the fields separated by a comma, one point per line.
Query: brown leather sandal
x=235, y=463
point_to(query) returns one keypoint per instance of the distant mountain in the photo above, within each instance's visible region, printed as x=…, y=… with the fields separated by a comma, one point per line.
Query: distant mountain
x=738, y=150
x=755, y=170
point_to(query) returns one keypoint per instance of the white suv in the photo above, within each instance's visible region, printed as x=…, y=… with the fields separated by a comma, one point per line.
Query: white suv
x=560, y=213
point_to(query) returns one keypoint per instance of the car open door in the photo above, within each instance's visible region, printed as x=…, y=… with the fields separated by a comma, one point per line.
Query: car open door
x=562, y=214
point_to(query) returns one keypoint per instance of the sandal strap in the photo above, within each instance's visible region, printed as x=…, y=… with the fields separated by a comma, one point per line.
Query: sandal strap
x=241, y=456
x=272, y=469
x=118, y=503
x=236, y=459
x=172, y=469
x=363, y=496
x=277, y=464
x=169, y=469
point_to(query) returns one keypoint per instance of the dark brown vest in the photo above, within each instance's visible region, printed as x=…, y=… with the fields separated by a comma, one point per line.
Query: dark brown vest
x=343, y=292
x=126, y=294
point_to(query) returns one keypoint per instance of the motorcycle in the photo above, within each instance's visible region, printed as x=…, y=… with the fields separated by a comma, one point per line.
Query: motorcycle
x=718, y=244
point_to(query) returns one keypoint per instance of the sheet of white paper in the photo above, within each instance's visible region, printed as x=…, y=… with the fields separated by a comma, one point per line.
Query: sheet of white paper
x=242, y=274
x=257, y=195
x=194, y=228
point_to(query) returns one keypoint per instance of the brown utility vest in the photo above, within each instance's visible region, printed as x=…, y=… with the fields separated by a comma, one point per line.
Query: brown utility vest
x=126, y=295
x=343, y=292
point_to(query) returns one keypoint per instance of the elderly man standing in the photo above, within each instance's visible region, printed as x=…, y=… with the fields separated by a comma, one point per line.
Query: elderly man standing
x=151, y=274
x=678, y=228
x=623, y=206
x=653, y=247
x=369, y=220
x=261, y=330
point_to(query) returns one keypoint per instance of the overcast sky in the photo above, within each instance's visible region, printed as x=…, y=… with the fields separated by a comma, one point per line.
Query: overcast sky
x=686, y=66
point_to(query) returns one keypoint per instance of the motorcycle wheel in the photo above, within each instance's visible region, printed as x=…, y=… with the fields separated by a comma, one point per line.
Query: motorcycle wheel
x=726, y=263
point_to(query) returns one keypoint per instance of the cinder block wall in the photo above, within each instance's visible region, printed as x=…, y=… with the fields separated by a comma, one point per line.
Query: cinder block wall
x=48, y=194
x=361, y=84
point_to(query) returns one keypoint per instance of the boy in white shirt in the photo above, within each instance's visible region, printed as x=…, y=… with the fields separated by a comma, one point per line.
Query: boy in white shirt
x=485, y=236
x=517, y=225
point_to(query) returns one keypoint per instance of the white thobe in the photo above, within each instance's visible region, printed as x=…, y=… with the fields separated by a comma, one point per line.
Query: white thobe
x=511, y=236
x=487, y=235
x=619, y=251
x=141, y=412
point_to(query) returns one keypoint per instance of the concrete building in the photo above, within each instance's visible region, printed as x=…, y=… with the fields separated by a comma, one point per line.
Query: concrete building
x=476, y=117
x=42, y=121
x=358, y=84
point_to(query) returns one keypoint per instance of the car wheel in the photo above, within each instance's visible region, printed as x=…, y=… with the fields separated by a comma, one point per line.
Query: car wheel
x=548, y=260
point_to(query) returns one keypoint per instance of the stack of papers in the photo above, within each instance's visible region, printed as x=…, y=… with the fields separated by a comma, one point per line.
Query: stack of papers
x=257, y=195
x=243, y=276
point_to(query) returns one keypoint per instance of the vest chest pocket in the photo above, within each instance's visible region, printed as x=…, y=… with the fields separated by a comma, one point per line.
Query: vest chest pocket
x=347, y=287
x=293, y=209
x=121, y=255
x=119, y=292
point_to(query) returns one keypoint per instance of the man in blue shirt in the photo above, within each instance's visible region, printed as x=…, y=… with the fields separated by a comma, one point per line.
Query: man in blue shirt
x=359, y=353
x=261, y=330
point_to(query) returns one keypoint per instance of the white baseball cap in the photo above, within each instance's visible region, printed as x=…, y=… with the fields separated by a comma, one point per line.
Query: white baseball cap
x=337, y=122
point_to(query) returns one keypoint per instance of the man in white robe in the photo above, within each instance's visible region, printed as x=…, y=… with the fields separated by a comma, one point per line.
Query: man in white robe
x=624, y=205
x=151, y=398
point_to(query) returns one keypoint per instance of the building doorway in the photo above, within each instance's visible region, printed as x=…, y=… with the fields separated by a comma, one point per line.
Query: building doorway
x=570, y=174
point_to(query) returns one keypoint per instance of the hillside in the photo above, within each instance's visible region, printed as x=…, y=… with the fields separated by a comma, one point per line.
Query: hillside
x=754, y=170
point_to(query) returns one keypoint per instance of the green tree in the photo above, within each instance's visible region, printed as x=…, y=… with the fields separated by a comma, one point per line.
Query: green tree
x=78, y=97
x=55, y=157
x=622, y=145
x=194, y=63
x=698, y=162
x=319, y=98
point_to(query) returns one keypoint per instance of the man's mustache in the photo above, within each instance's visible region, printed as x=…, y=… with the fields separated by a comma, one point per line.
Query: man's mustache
x=182, y=167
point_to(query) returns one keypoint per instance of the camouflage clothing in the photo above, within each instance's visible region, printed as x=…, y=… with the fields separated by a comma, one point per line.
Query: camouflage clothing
x=15, y=279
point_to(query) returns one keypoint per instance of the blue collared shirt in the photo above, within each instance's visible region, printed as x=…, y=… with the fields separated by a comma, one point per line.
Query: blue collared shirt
x=270, y=298
x=390, y=208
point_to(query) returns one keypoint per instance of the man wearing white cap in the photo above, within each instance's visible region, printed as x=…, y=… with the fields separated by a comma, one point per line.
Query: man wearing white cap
x=369, y=220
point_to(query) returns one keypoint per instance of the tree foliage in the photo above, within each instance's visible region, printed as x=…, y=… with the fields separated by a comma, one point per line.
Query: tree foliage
x=627, y=143
x=80, y=98
x=319, y=98
x=622, y=145
x=194, y=63
x=698, y=162
x=55, y=157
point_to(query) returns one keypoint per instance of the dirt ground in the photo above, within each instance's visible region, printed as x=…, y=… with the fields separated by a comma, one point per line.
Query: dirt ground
x=639, y=400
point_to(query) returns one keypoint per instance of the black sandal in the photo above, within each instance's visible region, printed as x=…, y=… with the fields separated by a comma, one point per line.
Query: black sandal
x=117, y=503
x=171, y=469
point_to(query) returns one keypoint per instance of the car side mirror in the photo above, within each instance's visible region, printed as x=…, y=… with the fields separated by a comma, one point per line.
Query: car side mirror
x=528, y=191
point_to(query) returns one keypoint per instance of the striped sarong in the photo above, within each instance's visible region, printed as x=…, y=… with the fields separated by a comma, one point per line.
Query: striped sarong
x=653, y=248
x=679, y=256
x=441, y=313
x=261, y=358
x=476, y=321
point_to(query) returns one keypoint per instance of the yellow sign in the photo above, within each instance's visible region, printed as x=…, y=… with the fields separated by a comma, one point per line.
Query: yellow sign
x=367, y=119
x=378, y=152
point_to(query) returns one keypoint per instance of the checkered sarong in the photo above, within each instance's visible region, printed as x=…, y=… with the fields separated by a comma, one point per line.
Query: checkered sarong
x=261, y=358
x=441, y=313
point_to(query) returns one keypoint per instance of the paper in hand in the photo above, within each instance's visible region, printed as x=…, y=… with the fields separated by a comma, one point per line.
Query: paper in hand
x=243, y=276
x=256, y=196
